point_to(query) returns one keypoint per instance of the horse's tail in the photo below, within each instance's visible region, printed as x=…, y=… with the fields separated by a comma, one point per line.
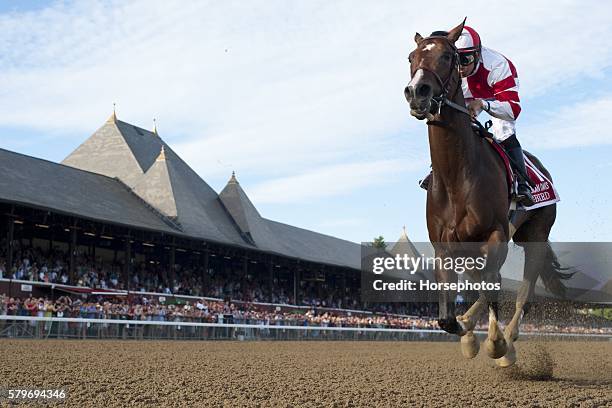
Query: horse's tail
x=553, y=274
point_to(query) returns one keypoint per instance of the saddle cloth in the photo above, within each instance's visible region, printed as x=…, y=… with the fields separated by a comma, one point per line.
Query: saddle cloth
x=544, y=193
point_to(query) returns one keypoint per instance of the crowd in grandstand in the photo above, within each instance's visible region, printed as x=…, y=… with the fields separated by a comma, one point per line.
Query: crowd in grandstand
x=201, y=310
x=35, y=264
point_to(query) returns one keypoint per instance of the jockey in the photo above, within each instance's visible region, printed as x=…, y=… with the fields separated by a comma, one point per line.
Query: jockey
x=490, y=83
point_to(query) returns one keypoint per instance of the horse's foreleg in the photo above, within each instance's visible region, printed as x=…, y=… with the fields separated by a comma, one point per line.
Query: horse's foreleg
x=469, y=343
x=469, y=319
x=446, y=309
x=446, y=299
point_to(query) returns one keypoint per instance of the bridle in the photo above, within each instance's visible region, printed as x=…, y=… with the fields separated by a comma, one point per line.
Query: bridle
x=442, y=99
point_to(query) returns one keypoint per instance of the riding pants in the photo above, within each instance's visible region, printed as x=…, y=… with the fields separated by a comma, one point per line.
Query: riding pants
x=502, y=129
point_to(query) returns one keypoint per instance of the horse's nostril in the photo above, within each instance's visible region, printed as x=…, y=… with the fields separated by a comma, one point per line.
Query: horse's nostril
x=423, y=90
x=409, y=92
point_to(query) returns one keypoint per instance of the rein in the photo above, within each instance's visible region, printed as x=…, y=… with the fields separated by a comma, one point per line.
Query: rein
x=443, y=100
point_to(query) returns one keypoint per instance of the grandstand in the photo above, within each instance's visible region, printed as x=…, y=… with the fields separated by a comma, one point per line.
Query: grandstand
x=125, y=201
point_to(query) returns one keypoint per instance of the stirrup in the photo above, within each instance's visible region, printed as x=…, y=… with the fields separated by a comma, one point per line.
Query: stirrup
x=526, y=200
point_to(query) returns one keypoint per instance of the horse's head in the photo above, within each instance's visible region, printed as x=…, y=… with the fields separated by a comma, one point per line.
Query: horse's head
x=432, y=65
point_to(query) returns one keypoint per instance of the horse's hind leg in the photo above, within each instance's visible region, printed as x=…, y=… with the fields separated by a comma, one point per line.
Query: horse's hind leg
x=533, y=237
x=511, y=333
x=496, y=251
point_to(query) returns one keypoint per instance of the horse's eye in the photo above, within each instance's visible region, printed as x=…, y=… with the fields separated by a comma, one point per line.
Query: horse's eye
x=446, y=57
x=410, y=56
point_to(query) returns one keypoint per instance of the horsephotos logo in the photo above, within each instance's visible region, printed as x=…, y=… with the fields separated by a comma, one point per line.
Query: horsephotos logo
x=407, y=271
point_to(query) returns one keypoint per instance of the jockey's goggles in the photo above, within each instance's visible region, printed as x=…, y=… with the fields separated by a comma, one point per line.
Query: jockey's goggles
x=467, y=58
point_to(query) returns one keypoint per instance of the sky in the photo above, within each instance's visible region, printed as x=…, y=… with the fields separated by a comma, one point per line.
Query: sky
x=304, y=99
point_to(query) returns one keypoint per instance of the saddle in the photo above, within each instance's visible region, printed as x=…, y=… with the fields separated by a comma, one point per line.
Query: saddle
x=542, y=188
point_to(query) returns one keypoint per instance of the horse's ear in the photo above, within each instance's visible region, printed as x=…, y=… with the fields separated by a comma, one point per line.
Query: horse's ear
x=418, y=38
x=455, y=33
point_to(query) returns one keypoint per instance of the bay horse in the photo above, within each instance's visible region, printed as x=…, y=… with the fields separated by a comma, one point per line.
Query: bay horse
x=468, y=201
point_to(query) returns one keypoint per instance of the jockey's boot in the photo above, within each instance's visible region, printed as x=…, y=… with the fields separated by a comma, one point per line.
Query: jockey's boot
x=515, y=151
x=424, y=184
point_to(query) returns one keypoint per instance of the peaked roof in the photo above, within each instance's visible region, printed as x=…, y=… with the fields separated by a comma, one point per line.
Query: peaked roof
x=241, y=209
x=155, y=187
x=156, y=174
x=130, y=153
x=107, y=152
x=404, y=246
x=282, y=238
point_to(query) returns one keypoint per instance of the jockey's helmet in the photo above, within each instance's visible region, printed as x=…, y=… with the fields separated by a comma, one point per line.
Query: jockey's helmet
x=468, y=45
x=468, y=41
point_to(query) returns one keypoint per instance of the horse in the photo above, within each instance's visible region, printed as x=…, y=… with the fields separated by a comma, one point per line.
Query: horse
x=468, y=202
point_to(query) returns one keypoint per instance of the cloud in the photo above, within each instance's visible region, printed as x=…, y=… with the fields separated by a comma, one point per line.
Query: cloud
x=327, y=181
x=309, y=89
x=582, y=124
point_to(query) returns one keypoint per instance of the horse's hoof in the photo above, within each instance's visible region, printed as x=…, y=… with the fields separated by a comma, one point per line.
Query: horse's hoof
x=496, y=348
x=470, y=345
x=508, y=334
x=466, y=323
x=509, y=359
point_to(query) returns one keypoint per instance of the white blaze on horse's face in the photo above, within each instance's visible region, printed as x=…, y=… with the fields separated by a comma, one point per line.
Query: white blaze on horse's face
x=429, y=47
x=416, y=78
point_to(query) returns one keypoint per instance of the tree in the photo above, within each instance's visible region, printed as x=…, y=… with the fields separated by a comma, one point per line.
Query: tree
x=379, y=242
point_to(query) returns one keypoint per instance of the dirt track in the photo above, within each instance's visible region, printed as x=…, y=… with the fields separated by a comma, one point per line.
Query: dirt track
x=119, y=374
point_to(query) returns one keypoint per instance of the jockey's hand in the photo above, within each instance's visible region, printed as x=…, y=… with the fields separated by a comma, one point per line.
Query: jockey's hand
x=475, y=107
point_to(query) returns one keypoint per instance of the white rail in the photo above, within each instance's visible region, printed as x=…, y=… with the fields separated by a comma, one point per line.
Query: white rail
x=264, y=327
